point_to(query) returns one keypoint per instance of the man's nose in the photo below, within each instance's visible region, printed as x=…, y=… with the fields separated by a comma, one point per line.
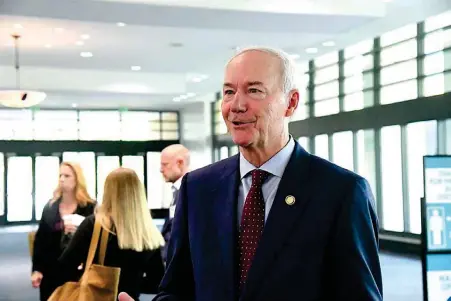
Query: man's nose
x=238, y=103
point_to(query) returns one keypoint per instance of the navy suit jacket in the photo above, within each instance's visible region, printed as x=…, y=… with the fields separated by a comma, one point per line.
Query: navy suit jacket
x=322, y=247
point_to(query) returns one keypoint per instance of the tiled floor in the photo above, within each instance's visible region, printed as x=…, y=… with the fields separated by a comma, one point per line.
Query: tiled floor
x=402, y=275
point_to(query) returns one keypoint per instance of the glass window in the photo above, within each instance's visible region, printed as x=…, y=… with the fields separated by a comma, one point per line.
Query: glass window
x=399, y=92
x=359, y=48
x=135, y=163
x=401, y=52
x=358, y=65
x=366, y=157
x=438, y=21
x=220, y=128
x=223, y=152
x=325, y=91
x=100, y=125
x=448, y=136
x=421, y=141
x=358, y=82
x=326, y=74
x=326, y=107
x=19, y=193
x=105, y=165
x=87, y=162
x=326, y=59
x=170, y=135
x=437, y=41
x=56, y=125
x=434, y=63
x=399, y=35
x=234, y=150
x=358, y=100
x=399, y=72
x=2, y=187
x=140, y=126
x=437, y=84
x=46, y=179
x=159, y=194
x=322, y=146
x=305, y=143
x=16, y=125
x=170, y=126
x=169, y=116
x=343, y=149
x=391, y=168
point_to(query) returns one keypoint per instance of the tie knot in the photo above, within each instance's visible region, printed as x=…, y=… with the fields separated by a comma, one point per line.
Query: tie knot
x=259, y=176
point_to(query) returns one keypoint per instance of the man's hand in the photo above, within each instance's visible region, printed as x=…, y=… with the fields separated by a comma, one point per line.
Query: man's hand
x=125, y=297
x=36, y=279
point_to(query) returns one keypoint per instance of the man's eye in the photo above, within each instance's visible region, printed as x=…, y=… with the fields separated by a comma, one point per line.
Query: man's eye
x=253, y=90
x=227, y=92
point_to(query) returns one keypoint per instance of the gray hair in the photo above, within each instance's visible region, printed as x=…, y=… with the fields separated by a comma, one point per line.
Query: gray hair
x=289, y=69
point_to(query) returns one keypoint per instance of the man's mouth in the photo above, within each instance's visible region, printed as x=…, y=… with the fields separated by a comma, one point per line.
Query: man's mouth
x=238, y=123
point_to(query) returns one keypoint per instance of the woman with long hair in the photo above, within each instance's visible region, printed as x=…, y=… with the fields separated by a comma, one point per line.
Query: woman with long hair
x=134, y=243
x=70, y=198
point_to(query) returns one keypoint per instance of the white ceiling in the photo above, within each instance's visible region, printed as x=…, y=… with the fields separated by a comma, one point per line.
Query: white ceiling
x=181, y=46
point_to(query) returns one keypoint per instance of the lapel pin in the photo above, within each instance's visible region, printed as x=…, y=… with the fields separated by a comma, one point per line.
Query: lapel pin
x=290, y=200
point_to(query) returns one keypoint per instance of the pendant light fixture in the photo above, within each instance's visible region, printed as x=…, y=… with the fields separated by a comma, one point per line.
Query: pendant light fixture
x=20, y=98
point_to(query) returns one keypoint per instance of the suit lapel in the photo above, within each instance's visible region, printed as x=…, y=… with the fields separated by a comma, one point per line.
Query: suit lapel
x=225, y=207
x=281, y=217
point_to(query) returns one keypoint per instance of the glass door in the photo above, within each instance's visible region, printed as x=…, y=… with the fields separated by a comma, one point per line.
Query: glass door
x=19, y=190
x=136, y=163
x=46, y=180
x=105, y=165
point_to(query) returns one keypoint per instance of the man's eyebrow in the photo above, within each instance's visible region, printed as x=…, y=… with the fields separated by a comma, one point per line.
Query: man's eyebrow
x=255, y=83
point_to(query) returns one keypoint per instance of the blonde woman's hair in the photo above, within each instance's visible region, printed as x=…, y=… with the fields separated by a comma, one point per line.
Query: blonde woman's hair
x=124, y=212
x=81, y=193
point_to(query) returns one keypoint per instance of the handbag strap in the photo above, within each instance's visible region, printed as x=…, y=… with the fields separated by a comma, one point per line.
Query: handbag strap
x=93, y=245
x=103, y=246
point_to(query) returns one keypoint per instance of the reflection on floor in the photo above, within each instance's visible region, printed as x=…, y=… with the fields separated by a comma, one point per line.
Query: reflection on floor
x=402, y=276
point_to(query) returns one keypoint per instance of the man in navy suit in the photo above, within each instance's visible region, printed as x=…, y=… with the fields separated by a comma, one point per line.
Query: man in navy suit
x=274, y=222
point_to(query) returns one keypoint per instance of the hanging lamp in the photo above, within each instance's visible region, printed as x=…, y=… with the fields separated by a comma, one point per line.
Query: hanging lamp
x=20, y=98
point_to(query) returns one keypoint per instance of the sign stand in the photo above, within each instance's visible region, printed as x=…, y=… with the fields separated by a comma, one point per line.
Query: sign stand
x=436, y=228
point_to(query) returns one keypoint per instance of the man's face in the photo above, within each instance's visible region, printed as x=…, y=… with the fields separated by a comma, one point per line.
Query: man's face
x=254, y=104
x=170, y=167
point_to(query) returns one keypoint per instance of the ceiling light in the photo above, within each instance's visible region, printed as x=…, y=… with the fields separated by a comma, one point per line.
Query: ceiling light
x=74, y=105
x=120, y=24
x=177, y=99
x=85, y=36
x=295, y=56
x=329, y=44
x=311, y=50
x=79, y=43
x=59, y=30
x=136, y=68
x=18, y=26
x=48, y=46
x=86, y=54
x=20, y=98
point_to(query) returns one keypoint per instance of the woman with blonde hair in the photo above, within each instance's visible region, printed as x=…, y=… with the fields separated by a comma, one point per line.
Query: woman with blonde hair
x=134, y=242
x=70, y=199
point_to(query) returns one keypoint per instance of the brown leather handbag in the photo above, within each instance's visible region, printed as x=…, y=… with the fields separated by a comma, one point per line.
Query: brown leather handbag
x=98, y=282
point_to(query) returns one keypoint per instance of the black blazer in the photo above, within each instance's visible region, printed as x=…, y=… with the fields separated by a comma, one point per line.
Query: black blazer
x=47, y=245
x=133, y=264
x=322, y=247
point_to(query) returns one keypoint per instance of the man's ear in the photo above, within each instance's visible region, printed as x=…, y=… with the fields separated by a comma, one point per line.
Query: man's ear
x=293, y=101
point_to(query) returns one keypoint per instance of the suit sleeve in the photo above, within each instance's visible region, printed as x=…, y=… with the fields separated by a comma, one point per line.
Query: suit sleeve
x=41, y=243
x=178, y=281
x=355, y=255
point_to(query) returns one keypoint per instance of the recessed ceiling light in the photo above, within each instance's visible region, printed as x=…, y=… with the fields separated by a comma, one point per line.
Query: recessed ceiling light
x=120, y=24
x=86, y=54
x=85, y=36
x=74, y=105
x=177, y=99
x=48, y=46
x=18, y=26
x=59, y=30
x=329, y=44
x=79, y=43
x=311, y=50
x=136, y=68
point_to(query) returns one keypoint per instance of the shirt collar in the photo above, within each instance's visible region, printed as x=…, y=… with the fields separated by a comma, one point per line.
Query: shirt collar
x=177, y=183
x=275, y=166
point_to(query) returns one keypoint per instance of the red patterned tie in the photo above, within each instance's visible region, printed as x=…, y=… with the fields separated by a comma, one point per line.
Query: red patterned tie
x=252, y=223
